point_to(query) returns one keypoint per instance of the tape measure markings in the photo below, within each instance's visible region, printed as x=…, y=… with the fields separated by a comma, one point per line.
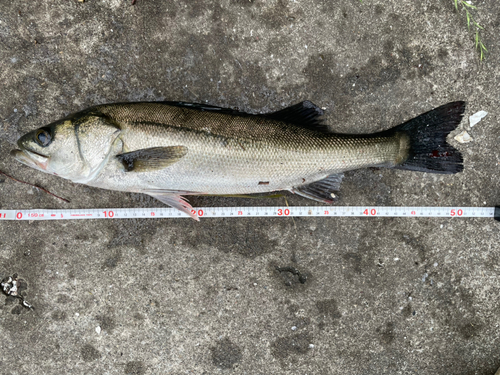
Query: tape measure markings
x=279, y=211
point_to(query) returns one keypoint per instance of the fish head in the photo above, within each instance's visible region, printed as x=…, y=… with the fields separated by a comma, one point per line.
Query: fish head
x=75, y=148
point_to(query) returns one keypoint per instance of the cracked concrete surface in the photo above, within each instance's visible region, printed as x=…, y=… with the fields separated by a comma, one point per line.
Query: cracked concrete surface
x=253, y=296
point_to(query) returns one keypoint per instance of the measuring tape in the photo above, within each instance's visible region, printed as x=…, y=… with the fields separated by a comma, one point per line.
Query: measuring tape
x=283, y=211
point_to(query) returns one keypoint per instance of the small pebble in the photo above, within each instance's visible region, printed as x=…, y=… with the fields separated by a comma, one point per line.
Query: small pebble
x=476, y=117
x=463, y=137
x=294, y=328
x=98, y=330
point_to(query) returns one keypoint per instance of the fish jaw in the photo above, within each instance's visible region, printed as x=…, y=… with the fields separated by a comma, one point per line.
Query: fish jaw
x=31, y=159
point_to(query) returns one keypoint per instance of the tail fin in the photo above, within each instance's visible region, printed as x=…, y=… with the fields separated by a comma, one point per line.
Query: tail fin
x=428, y=150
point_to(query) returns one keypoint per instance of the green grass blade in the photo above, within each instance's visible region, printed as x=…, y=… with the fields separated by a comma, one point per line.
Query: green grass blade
x=468, y=5
x=478, y=25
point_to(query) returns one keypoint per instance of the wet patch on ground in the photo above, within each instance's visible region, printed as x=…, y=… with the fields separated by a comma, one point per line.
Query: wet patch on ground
x=106, y=321
x=386, y=333
x=232, y=237
x=135, y=368
x=89, y=353
x=225, y=354
x=298, y=344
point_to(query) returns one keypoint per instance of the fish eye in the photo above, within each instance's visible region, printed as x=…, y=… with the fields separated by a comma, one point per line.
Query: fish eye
x=43, y=137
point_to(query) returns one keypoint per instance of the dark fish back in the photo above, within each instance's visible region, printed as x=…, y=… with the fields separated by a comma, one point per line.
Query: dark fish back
x=222, y=122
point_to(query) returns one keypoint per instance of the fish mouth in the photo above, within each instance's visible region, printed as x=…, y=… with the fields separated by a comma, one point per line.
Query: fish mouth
x=32, y=159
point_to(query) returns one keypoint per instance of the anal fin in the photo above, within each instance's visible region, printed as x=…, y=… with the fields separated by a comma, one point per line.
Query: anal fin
x=322, y=190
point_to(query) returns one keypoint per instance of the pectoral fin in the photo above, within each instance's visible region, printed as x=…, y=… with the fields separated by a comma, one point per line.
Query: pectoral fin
x=151, y=159
x=322, y=190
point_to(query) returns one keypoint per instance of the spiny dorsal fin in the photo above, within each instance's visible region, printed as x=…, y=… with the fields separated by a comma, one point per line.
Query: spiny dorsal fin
x=322, y=190
x=151, y=159
x=304, y=114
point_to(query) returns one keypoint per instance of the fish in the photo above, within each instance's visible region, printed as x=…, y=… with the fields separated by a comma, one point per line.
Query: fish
x=171, y=150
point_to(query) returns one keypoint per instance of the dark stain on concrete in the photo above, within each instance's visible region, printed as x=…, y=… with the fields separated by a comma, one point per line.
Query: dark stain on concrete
x=328, y=313
x=278, y=16
x=455, y=307
x=284, y=347
x=106, y=322
x=232, y=237
x=417, y=244
x=225, y=354
x=11, y=300
x=63, y=299
x=469, y=329
x=59, y=315
x=379, y=9
x=291, y=275
x=407, y=311
x=135, y=368
x=139, y=317
x=244, y=3
x=112, y=261
x=132, y=232
x=386, y=334
x=442, y=53
x=328, y=308
x=89, y=353
x=354, y=261
x=197, y=8
x=17, y=310
x=364, y=261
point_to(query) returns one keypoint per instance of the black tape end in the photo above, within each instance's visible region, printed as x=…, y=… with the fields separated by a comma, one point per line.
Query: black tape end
x=496, y=215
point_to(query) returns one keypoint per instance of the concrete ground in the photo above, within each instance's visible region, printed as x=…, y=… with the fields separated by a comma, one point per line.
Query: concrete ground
x=353, y=296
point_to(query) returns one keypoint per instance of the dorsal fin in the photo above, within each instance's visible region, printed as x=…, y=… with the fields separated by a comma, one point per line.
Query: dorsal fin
x=304, y=114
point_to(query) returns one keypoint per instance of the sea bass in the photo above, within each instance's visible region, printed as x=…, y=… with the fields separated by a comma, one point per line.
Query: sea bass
x=172, y=149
